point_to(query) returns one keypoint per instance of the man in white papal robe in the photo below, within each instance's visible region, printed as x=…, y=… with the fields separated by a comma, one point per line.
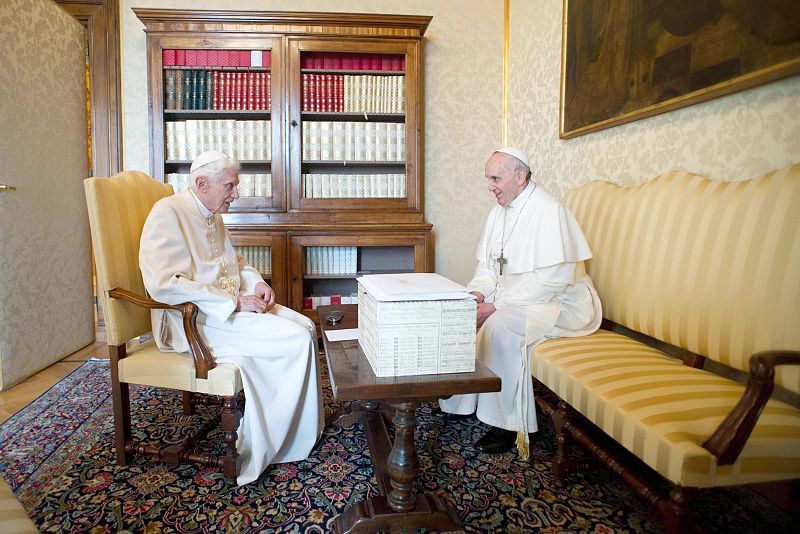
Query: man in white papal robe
x=531, y=285
x=186, y=255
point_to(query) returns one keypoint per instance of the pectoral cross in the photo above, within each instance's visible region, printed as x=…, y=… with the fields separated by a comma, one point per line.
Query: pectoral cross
x=226, y=283
x=501, y=261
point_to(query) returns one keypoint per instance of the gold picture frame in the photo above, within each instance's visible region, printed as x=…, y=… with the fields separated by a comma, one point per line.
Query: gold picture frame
x=623, y=60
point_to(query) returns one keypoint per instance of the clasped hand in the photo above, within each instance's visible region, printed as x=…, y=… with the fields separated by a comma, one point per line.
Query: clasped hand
x=485, y=309
x=261, y=302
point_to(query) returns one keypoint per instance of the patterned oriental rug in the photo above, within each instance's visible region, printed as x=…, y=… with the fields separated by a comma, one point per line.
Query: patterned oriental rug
x=57, y=454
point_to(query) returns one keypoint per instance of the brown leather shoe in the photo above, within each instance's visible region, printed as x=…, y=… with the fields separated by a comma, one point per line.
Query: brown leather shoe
x=497, y=441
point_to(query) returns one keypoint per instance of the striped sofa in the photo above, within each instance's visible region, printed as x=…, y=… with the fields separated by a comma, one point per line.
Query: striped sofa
x=710, y=270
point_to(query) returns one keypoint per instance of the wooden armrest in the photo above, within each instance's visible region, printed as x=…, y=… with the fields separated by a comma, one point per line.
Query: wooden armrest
x=729, y=438
x=201, y=354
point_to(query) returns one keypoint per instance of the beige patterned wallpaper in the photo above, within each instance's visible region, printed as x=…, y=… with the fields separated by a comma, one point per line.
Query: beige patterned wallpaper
x=735, y=137
x=45, y=266
x=732, y=137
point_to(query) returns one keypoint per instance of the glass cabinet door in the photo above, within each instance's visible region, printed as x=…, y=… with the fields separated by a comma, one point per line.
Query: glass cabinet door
x=220, y=96
x=353, y=133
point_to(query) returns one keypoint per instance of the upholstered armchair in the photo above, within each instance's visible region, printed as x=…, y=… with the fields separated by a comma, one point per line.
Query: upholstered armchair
x=118, y=208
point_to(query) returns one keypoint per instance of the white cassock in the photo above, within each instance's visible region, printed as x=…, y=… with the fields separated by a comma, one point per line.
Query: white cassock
x=544, y=292
x=185, y=254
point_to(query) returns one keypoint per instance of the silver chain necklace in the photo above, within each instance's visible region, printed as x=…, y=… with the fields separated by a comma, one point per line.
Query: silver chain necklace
x=502, y=260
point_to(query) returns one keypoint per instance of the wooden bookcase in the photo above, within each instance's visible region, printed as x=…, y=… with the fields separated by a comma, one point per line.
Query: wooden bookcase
x=336, y=173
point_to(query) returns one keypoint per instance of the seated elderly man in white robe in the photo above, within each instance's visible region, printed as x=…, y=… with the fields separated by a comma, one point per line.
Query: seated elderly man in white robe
x=531, y=285
x=186, y=255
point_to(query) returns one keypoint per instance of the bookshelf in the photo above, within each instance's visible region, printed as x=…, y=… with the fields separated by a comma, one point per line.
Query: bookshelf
x=324, y=112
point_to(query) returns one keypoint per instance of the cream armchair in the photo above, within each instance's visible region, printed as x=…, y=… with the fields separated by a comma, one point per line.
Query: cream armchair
x=118, y=208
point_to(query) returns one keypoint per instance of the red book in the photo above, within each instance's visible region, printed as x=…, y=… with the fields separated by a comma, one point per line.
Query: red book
x=168, y=57
x=336, y=299
x=337, y=62
x=266, y=58
x=397, y=63
x=312, y=92
x=340, y=84
x=216, y=91
x=213, y=58
x=227, y=81
x=304, y=105
x=307, y=303
x=327, y=61
x=251, y=90
x=191, y=58
x=180, y=57
x=262, y=90
x=202, y=58
x=256, y=90
x=238, y=90
x=320, y=93
x=318, y=62
x=244, y=58
x=269, y=91
x=222, y=57
x=386, y=62
x=347, y=62
x=328, y=93
x=375, y=62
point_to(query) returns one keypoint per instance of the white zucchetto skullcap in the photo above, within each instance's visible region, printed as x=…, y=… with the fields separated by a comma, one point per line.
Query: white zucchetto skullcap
x=209, y=156
x=517, y=153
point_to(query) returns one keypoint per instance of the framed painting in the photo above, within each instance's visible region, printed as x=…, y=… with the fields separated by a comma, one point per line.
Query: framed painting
x=624, y=60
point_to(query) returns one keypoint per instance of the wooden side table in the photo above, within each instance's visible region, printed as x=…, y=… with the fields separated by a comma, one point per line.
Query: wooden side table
x=396, y=466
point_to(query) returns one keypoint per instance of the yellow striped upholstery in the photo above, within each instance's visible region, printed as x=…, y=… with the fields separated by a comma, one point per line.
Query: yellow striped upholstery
x=13, y=519
x=118, y=208
x=662, y=410
x=706, y=265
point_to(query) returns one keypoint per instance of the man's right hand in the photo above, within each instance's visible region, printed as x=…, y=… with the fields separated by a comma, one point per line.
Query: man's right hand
x=251, y=303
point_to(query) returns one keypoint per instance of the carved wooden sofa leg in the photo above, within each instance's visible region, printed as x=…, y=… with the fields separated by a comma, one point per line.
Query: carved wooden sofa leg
x=675, y=514
x=564, y=465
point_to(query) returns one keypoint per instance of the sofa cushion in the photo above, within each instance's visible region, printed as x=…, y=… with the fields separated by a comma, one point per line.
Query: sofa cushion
x=662, y=411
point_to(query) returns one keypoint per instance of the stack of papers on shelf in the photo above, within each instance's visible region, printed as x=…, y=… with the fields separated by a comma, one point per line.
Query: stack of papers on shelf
x=416, y=324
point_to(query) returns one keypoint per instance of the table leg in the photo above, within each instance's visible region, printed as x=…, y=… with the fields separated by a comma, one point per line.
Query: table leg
x=401, y=510
x=403, y=463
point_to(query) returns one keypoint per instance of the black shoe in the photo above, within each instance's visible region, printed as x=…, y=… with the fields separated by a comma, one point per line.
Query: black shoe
x=497, y=441
x=437, y=411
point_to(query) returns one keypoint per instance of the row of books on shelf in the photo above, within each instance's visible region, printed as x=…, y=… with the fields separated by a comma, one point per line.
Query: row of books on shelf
x=354, y=185
x=331, y=260
x=217, y=89
x=311, y=303
x=259, y=258
x=354, y=93
x=215, y=58
x=245, y=140
x=352, y=61
x=250, y=185
x=354, y=141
